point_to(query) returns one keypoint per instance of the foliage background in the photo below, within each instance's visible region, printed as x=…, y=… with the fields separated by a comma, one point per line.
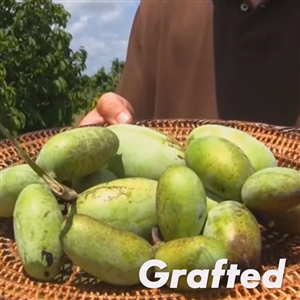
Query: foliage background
x=42, y=84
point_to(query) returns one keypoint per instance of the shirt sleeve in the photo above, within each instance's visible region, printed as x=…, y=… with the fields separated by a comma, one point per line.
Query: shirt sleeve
x=137, y=82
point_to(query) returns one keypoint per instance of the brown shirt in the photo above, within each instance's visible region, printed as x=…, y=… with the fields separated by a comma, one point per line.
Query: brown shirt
x=178, y=51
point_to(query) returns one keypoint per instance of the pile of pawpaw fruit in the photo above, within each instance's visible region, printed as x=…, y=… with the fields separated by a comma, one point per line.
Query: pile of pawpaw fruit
x=137, y=194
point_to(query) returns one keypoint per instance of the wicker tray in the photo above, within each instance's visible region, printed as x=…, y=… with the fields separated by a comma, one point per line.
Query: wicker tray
x=74, y=284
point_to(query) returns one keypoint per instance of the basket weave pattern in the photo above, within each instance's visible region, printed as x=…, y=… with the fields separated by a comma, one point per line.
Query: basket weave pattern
x=74, y=284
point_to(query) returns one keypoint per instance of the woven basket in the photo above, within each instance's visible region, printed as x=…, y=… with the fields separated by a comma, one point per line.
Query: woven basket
x=73, y=284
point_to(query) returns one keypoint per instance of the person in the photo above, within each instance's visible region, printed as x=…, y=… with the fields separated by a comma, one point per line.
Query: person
x=229, y=59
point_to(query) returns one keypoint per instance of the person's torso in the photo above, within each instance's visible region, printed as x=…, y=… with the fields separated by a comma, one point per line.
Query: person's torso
x=185, y=70
x=257, y=60
x=181, y=48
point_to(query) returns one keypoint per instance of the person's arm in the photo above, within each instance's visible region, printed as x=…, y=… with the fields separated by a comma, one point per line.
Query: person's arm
x=137, y=83
x=134, y=95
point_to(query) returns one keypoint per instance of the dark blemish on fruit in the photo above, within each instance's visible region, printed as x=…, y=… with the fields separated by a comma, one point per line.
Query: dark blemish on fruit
x=221, y=189
x=47, y=274
x=48, y=257
x=180, y=157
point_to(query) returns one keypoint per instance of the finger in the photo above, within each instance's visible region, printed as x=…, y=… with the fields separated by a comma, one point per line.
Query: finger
x=115, y=109
x=91, y=118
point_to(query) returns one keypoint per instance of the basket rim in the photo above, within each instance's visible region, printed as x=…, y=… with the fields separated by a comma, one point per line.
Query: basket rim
x=258, y=125
x=162, y=124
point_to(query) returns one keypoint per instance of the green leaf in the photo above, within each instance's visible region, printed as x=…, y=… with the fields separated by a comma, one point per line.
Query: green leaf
x=41, y=78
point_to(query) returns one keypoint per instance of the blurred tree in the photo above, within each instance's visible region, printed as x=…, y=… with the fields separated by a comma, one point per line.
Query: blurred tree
x=41, y=82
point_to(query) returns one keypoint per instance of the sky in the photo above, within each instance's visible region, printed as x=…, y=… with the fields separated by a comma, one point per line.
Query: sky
x=102, y=28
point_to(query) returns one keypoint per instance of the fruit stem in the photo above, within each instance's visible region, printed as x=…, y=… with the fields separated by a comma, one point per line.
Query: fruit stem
x=156, y=240
x=58, y=189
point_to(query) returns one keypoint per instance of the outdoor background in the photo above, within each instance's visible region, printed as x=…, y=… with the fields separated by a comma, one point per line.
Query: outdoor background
x=58, y=57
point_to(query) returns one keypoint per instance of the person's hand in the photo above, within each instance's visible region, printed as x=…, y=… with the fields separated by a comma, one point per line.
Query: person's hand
x=111, y=109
